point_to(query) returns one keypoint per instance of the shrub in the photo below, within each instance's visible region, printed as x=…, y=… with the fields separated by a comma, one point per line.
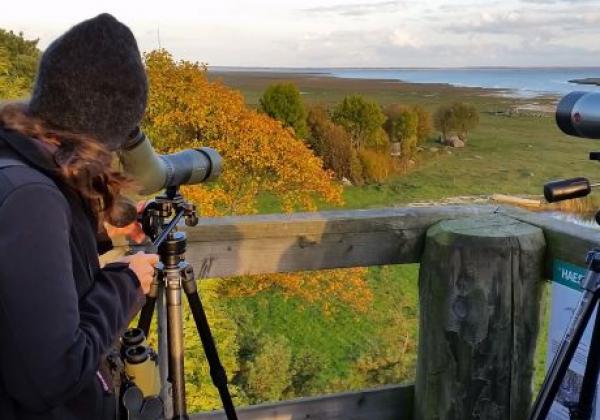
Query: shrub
x=361, y=118
x=332, y=142
x=356, y=169
x=402, y=126
x=282, y=101
x=269, y=374
x=458, y=118
x=18, y=64
x=377, y=166
x=443, y=120
x=424, y=123
x=466, y=118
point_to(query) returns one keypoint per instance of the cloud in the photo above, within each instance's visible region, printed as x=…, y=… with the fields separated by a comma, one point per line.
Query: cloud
x=404, y=39
x=529, y=23
x=546, y=2
x=356, y=9
x=390, y=48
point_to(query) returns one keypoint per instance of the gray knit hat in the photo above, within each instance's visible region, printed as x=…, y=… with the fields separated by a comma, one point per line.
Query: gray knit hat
x=92, y=80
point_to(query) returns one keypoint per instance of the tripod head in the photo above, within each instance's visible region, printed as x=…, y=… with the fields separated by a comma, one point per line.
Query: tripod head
x=173, y=274
x=170, y=205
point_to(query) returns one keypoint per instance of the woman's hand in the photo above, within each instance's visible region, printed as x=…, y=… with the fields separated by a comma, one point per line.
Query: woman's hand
x=143, y=266
x=133, y=231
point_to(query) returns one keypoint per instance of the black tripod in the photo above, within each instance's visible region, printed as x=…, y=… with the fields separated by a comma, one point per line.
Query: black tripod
x=590, y=300
x=173, y=274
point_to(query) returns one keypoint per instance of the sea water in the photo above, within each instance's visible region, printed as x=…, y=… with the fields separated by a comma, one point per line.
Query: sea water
x=525, y=82
x=517, y=81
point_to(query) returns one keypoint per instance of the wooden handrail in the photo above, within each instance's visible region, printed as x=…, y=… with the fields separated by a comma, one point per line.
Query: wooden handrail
x=232, y=246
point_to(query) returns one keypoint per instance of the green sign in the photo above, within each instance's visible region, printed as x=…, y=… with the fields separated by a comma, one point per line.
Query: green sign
x=568, y=274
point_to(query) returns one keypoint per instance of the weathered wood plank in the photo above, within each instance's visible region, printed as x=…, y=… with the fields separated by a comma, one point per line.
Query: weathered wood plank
x=387, y=403
x=228, y=246
x=479, y=296
x=564, y=241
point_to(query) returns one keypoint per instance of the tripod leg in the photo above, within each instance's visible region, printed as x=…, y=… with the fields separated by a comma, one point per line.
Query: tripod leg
x=148, y=309
x=146, y=315
x=163, y=352
x=217, y=372
x=564, y=355
x=590, y=378
x=175, y=334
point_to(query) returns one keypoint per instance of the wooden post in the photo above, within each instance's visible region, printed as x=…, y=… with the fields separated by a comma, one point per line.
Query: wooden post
x=480, y=285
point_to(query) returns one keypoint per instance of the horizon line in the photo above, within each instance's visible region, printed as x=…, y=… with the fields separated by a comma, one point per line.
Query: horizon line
x=398, y=68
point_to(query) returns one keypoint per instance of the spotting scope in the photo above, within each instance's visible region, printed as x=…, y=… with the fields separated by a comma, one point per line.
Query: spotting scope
x=578, y=114
x=156, y=172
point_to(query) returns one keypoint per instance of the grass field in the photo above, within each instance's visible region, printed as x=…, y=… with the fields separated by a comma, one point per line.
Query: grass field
x=513, y=154
x=505, y=154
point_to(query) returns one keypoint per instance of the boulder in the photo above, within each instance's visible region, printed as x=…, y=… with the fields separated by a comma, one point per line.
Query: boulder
x=395, y=149
x=453, y=141
x=346, y=182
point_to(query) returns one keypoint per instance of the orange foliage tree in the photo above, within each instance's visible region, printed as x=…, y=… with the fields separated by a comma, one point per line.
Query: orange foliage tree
x=186, y=110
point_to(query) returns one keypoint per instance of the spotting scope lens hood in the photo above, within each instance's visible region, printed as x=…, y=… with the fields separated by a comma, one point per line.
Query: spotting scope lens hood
x=578, y=114
x=156, y=172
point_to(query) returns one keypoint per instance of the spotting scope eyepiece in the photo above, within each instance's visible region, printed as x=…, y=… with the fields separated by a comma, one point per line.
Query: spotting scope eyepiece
x=567, y=189
x=156, y=172
x=578, y=114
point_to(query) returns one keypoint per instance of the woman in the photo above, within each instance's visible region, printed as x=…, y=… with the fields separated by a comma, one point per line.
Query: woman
x=60, y=313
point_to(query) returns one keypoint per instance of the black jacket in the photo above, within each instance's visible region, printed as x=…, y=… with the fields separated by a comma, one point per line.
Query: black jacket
x=59, y=312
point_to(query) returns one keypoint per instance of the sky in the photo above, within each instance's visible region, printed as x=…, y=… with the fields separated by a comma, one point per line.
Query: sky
x=338, y=33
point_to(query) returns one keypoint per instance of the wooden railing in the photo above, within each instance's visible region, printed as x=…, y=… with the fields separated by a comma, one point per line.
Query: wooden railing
x=480, y=278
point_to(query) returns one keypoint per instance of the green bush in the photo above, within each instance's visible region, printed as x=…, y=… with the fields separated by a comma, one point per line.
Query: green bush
x=402, y=126
x=458, y=118
x=268, y=374
x=362, y=119
x=18, y=64
x=283, y=102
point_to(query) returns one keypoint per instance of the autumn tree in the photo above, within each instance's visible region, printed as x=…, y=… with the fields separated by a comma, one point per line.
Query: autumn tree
x=325, y=287
x=185, y=110
x=333, y=143
x=282, y=101
x=363, y=119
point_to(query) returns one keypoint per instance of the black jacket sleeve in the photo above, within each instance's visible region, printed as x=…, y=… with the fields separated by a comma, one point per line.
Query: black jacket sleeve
x=51, y=342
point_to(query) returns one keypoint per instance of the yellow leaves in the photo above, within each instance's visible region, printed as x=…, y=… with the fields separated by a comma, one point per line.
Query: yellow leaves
x=187, y=110
x=347, y=286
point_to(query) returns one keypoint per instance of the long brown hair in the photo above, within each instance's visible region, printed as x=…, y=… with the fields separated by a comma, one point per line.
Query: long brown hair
x=83, y=163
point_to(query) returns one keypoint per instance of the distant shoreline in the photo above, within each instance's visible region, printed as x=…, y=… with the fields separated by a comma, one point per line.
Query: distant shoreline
x=530, y=82
x=595, y=81
x=241, y=77
x=327, y=69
